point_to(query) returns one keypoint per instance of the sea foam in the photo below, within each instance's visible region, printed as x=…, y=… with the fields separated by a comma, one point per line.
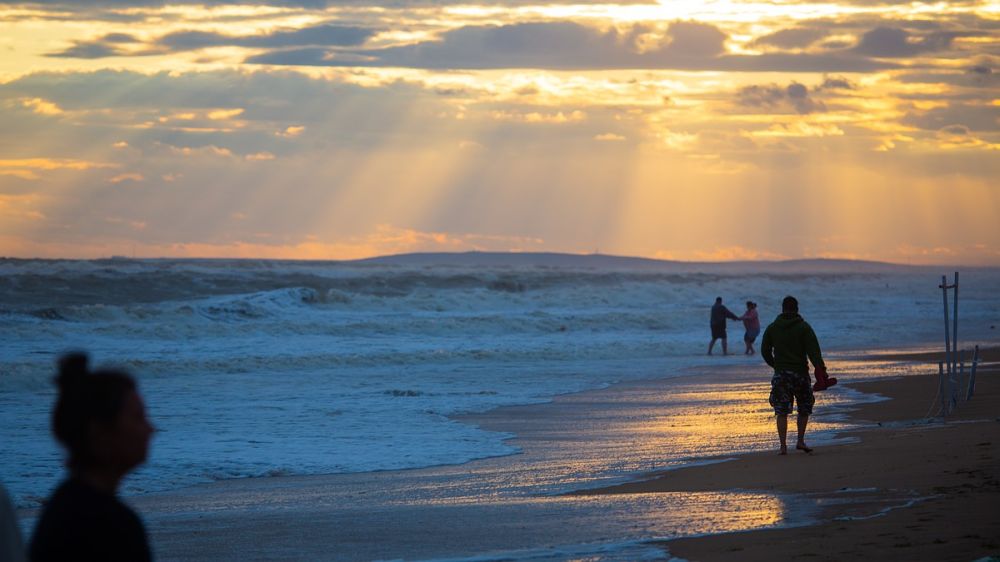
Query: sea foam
x=258, y=368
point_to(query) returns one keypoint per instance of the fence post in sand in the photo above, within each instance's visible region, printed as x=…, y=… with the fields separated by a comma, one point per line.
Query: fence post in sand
x=972, y=374
x=954, y=329
x=947, y=333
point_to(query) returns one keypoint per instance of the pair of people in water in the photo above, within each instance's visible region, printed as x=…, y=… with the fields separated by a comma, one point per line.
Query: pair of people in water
x=717, y=323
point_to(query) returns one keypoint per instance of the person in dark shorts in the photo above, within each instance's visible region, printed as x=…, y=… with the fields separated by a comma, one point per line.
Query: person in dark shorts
x=751, y=322
x=100, y=419
x=717, y=322
x=786, y=345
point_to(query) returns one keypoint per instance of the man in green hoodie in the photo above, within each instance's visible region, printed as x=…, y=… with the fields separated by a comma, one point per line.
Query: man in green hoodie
x=787, y=342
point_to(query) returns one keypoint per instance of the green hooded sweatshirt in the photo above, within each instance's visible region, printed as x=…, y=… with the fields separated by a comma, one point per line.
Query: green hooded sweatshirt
x=788, y=341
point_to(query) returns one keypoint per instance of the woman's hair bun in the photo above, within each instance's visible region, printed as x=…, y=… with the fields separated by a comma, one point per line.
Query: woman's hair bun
x=72, y=369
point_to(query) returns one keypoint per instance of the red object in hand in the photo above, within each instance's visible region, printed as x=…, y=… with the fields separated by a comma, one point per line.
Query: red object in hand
x=823, y=381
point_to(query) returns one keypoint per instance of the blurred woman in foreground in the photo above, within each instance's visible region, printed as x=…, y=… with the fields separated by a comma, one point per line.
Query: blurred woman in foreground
x=100, y=419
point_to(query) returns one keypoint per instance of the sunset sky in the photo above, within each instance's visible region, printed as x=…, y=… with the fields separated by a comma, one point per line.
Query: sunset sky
x=687, y=129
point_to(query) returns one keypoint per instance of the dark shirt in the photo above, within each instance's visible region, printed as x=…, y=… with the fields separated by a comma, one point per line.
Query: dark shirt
x=720, y=313
x=788, y=341
x=82, y=523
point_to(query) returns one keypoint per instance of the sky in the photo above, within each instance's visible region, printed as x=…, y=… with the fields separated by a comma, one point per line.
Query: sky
x=678, y=129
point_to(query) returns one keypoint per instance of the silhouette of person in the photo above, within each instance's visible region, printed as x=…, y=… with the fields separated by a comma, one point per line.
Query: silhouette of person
x=751, y=322
x=11, y=549
x=100, y=419
x=717, y=323
x=788, y=345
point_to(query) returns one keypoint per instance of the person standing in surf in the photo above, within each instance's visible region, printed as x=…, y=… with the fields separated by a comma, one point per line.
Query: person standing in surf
x=751, y=323
x=717, y=323
x=786, y=345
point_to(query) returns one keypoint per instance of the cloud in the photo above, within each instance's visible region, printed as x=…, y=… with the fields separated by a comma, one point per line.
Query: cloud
x=88, y=50
x=291, y=131
x=120, y=38
x=956, y=130
x=794, y=38
x=42, y=107
x=325, y=35
x=319, y=35
x=976, y=76
x=20, y=207
x=836, y=83
x=48, y=164
x=972, y=117
x=798, y=129
x=224, y=114
x=127, y=177
x=693, y=39
x=202, y=151
x=117, y=10
x=774, y=96
x=281, y=110
x=891, y=42
x=259, y=157
x=102, y=47
x=557, y=117
x=29, y=175
x=565, y=45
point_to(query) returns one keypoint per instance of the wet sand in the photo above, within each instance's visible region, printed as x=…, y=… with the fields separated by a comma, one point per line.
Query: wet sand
x=949, y=467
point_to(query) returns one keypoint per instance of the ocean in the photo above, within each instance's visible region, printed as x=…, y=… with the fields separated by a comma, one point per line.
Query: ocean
x=258, y=369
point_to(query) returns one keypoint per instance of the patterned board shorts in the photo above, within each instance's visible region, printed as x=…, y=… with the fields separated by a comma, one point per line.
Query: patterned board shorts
x=786, y=385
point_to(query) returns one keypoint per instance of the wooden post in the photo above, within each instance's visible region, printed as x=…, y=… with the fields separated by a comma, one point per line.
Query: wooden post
x=954, y=330
x=947, y=333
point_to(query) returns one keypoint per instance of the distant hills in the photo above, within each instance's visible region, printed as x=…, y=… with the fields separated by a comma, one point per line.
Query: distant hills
x=594, y=262
x=608, y=262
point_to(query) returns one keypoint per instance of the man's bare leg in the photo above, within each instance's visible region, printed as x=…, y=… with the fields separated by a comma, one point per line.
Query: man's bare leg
x=782, y=420
x=711, y=345
x=803, y=421
x=725, y=349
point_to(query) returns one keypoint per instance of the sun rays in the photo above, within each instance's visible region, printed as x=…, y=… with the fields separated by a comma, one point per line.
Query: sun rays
x=653, y=129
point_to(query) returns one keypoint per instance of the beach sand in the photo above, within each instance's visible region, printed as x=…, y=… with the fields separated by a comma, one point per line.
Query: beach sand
x=949, y=468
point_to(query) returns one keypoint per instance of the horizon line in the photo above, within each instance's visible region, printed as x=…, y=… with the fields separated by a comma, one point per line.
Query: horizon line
x=869, y=261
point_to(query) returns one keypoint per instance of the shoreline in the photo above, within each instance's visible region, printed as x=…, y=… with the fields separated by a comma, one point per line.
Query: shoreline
x=905, y=488
x=278, y=514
